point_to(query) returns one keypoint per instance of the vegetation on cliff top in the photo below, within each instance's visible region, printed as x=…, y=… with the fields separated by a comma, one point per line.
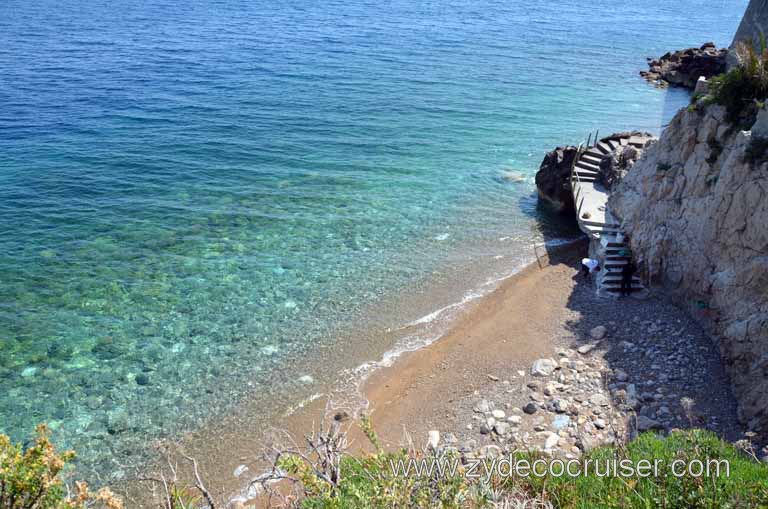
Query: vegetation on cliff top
x=370, y=481
x=743, y=89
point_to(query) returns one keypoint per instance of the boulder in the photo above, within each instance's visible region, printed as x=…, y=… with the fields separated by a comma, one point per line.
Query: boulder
x=553, y=179
x=614, y=167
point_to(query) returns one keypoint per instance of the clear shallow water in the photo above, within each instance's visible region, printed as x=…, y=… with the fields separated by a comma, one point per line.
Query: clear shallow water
x=193, y=195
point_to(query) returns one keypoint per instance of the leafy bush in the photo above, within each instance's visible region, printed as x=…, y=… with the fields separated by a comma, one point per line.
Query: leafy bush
x=743, y=87
x=746, y=484
x=369, y=481
x=30, y=478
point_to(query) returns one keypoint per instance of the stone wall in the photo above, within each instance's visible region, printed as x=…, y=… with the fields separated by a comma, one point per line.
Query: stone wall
x=696, y=213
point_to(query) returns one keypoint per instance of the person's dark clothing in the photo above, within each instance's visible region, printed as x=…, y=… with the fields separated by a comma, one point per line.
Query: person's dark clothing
x=626, y=278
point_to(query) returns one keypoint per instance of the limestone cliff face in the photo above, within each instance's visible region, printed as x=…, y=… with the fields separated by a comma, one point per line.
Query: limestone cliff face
x=754, y=22
x=697, y=217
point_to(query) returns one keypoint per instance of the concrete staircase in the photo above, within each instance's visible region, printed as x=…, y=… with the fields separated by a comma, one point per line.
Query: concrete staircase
x=616, y=254
x=591, y=200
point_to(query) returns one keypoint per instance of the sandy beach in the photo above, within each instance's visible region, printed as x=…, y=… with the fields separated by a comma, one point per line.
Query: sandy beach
x=543, y=311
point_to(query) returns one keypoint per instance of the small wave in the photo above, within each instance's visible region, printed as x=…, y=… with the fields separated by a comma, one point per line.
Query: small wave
x=304, y=402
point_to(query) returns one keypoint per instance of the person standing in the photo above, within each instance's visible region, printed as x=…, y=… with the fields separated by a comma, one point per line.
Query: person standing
x=588, y=267
x=627, y=271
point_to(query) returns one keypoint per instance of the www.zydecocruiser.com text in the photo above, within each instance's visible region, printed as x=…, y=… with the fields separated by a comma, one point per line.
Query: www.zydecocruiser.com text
x=487, y=468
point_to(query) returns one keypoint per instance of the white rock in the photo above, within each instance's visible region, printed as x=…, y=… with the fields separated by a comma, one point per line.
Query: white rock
x=552, y=441
x=501, y=428
x=240, y=470
x=483, y=407
x=433, y=438
x=498, y=414
x=561, y=405
x=543, y=367
x=306, y=380
x=585, y=349
x=550, y=389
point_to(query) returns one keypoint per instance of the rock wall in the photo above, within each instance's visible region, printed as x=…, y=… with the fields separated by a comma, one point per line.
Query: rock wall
x=755, y=20
x=697, y=216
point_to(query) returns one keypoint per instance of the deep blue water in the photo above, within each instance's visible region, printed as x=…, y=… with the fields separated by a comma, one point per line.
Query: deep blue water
x=192, y=193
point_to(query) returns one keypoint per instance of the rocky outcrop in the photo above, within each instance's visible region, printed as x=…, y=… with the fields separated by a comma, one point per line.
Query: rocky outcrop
x=754, y=22
x=683, y=68
x=614, y=167
x=553, y=179
x=695, y=207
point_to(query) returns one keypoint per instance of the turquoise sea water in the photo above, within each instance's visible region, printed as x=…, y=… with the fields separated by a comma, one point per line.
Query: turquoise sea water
x=194, y=194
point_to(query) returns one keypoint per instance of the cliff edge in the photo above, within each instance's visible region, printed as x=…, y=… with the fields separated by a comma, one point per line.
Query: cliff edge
x=695, y=207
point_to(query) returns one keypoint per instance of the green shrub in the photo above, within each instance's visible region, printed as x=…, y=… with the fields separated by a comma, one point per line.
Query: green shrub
x=369, y=482
x=743, y=87
x=30, y=478
x=745, y=486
